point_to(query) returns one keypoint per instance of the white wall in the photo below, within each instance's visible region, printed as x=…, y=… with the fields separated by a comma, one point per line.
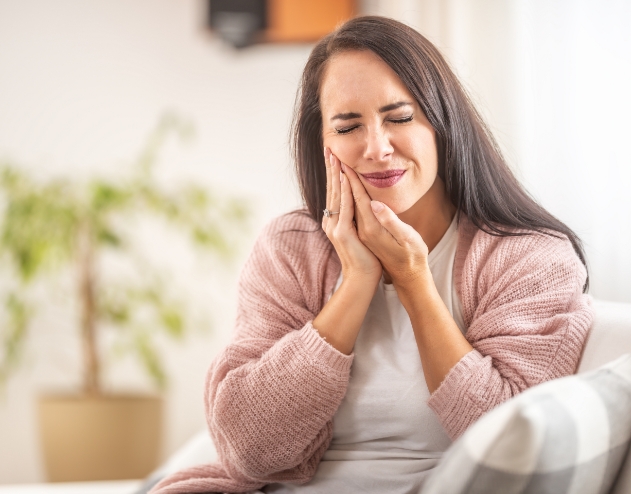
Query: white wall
x=574, y=126
x=552, y=79
x=81, y=85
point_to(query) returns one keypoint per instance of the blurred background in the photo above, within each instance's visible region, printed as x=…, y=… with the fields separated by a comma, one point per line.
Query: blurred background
x=84, y=84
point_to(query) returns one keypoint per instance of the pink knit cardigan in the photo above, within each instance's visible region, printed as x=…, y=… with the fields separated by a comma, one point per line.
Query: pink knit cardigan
x=272, y=393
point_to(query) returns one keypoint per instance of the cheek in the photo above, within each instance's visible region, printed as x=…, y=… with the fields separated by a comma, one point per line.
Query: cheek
x=346, y=148
x=422, y=147
x=428, y=141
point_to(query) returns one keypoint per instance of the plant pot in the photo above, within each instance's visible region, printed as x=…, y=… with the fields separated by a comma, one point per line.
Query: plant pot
x=100, y=438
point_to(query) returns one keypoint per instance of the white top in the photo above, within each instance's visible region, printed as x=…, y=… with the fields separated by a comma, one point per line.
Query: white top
x=385, y=437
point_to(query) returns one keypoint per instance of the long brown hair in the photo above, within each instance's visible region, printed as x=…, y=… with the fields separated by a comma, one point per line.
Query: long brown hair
x=477, y=178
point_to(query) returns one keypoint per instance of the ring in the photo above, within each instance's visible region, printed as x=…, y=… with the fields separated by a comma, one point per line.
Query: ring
x=328, y=213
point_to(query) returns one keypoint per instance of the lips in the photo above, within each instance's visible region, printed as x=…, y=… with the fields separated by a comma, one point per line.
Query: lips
x=383, y=179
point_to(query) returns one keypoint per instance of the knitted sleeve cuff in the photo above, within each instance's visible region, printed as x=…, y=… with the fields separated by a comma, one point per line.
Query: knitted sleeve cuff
x=449, y=401
x=322, y=351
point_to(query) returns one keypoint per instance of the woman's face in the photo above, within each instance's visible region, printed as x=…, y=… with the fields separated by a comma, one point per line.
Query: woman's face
x=372, y=123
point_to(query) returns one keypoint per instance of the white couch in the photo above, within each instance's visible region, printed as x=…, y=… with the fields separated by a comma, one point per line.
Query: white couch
x=610, y=337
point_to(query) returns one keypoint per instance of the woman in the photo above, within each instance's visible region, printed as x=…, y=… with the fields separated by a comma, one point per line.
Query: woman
x=435, y=290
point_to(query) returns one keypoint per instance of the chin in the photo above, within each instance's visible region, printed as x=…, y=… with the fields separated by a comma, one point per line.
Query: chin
x=397, y=206
x=399, y=211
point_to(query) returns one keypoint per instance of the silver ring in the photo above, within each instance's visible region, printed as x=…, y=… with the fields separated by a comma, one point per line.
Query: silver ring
x=328, y=213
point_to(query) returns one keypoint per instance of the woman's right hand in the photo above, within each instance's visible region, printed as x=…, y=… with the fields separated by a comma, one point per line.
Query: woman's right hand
x=359, y=264
x=341, y=318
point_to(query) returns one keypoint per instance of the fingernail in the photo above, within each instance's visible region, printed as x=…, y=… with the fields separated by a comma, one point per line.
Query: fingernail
x=327, y=152
x=341, y=177
x=343, y=167
x=376, y=206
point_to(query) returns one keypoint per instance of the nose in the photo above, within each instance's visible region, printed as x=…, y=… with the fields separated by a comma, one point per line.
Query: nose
x=378, y=146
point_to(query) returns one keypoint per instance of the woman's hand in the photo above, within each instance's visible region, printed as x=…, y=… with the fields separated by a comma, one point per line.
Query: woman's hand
x=358, y=262
x=341, y=318
x=403, y=254
x=399, y=247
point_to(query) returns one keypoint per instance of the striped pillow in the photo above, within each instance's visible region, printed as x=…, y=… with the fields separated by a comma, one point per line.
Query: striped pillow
x=568, y=435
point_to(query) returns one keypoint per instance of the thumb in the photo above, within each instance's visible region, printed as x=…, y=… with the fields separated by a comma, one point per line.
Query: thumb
x=391, y=222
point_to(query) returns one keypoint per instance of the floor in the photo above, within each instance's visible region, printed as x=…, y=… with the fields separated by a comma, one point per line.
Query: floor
x=105, y=487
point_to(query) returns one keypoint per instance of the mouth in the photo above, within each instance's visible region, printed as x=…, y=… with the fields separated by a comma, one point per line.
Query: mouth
x=383, y=179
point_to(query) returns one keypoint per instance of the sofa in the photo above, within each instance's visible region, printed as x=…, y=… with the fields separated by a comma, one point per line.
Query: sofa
x=609, y=339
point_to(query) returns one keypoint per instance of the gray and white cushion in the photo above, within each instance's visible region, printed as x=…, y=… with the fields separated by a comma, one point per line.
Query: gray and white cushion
x=569, y=435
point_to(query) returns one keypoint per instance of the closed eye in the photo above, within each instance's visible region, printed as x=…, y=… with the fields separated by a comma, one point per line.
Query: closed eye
x=402, y=120
x=346, y=130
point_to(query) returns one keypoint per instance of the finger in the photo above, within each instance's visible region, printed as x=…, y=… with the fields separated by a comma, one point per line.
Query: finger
x=400, y=231
x=363, y=212
x=347, y=207
x=327, y=165
x=334, y=203
x=333, y=188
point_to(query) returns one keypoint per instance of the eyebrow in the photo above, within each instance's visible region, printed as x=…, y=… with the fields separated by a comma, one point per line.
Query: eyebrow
x=383, y=109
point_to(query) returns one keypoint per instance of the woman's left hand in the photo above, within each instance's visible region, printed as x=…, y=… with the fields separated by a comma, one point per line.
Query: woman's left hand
x=403, y=255
x=399, y=247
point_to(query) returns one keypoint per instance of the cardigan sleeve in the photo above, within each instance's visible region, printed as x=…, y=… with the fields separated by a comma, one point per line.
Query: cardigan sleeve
x=271, y=394
x=527, y=319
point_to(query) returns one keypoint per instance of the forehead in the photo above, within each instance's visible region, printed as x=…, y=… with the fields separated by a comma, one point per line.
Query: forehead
x=359, y=78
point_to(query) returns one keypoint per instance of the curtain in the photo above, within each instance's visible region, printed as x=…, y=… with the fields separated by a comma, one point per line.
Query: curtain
x=553, y=80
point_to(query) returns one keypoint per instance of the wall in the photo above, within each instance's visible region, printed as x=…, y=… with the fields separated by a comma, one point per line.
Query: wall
x=81, y=86
x=551, y=79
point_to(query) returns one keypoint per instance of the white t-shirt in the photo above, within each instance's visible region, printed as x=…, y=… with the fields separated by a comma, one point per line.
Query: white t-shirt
x=385, y=437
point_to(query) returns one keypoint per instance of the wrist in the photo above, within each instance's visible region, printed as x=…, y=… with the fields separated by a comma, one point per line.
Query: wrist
x=341, y=318
x=359, y=287
x=415, y=288
x=361, y=281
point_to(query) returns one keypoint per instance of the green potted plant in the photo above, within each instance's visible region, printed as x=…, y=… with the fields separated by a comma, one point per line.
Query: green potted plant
x=47, y=228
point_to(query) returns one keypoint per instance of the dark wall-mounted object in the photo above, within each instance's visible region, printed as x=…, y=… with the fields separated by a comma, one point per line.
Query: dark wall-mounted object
x=238, y=22
x=244, y=22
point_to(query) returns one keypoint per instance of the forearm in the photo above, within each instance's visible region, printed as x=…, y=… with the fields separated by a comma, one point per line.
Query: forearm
x=270, y=404
x=440, y=342
x=261, y=392
x=341, y=318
